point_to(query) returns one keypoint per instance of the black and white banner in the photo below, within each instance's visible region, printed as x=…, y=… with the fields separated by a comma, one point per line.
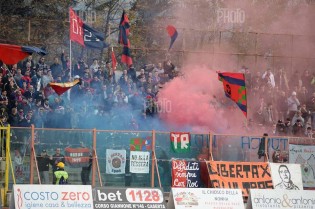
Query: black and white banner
x=139, y=162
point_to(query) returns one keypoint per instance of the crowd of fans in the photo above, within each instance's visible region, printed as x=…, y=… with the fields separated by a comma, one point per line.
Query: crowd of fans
x=102, y=100
x=282, y=104
x=105, y=101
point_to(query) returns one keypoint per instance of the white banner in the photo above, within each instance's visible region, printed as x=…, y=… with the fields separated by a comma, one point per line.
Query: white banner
x=139, y=162
x=286, y=176
x=205, y=198
x=305, y=156
x=115, y=161
x=52, y=196
x=272, y=198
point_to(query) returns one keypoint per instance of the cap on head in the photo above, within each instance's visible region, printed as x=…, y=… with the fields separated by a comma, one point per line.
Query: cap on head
x=60, y=165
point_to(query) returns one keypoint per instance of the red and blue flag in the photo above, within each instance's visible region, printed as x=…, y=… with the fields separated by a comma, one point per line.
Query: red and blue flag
x=85, y=35
x=12, y=54
x=235, y=88
x=124, y=30
x=172, y=32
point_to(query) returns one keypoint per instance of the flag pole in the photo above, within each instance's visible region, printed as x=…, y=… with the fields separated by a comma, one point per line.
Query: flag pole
x=70, y=53
x=109, y=41
x=70, y=59
x=70, y=64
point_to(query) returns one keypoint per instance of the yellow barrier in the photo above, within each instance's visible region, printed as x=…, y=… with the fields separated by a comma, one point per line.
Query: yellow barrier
x=5, y=154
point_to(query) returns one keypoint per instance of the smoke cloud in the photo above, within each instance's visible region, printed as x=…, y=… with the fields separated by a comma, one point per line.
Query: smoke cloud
x=197, y=99
x=197, y=103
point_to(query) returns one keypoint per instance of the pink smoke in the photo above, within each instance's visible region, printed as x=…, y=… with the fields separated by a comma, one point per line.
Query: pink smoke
x=193, y=100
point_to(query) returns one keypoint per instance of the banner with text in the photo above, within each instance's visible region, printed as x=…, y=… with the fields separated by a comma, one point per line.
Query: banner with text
x=245, y=148
x=180, y=142
x=239, y=175
x=185, y=173
x=115, y=161
x=305, y=156
x=139, y=162
x=128, y=198
x=286, y=176
x=33, y=196
x=280, y=199
x=77, y=157
x=205, y=198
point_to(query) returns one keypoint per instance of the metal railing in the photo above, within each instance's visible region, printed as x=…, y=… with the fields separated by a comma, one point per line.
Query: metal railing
x=27, y=143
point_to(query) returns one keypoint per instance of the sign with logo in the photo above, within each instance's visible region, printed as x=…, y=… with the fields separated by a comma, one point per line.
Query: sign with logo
x=139, y=162
x=128, y=198
x=52, y=196
x=239, y=175
x=180, y=142
x=284, y=199
x=205, y=198
x=115, y=161
x=185, y=173
x=286, y=176
x=305, y=156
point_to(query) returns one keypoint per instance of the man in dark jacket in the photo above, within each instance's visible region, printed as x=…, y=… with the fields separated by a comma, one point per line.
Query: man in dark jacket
x=56, y=68
x=85, y=172
x=43, y=161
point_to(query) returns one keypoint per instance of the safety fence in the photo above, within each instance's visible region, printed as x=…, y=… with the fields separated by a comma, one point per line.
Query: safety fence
x=26, y=143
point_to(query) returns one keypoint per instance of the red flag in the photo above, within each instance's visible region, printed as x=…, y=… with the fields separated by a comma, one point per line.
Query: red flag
x=76, y=27
x=61, y=88
x=114, y=60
